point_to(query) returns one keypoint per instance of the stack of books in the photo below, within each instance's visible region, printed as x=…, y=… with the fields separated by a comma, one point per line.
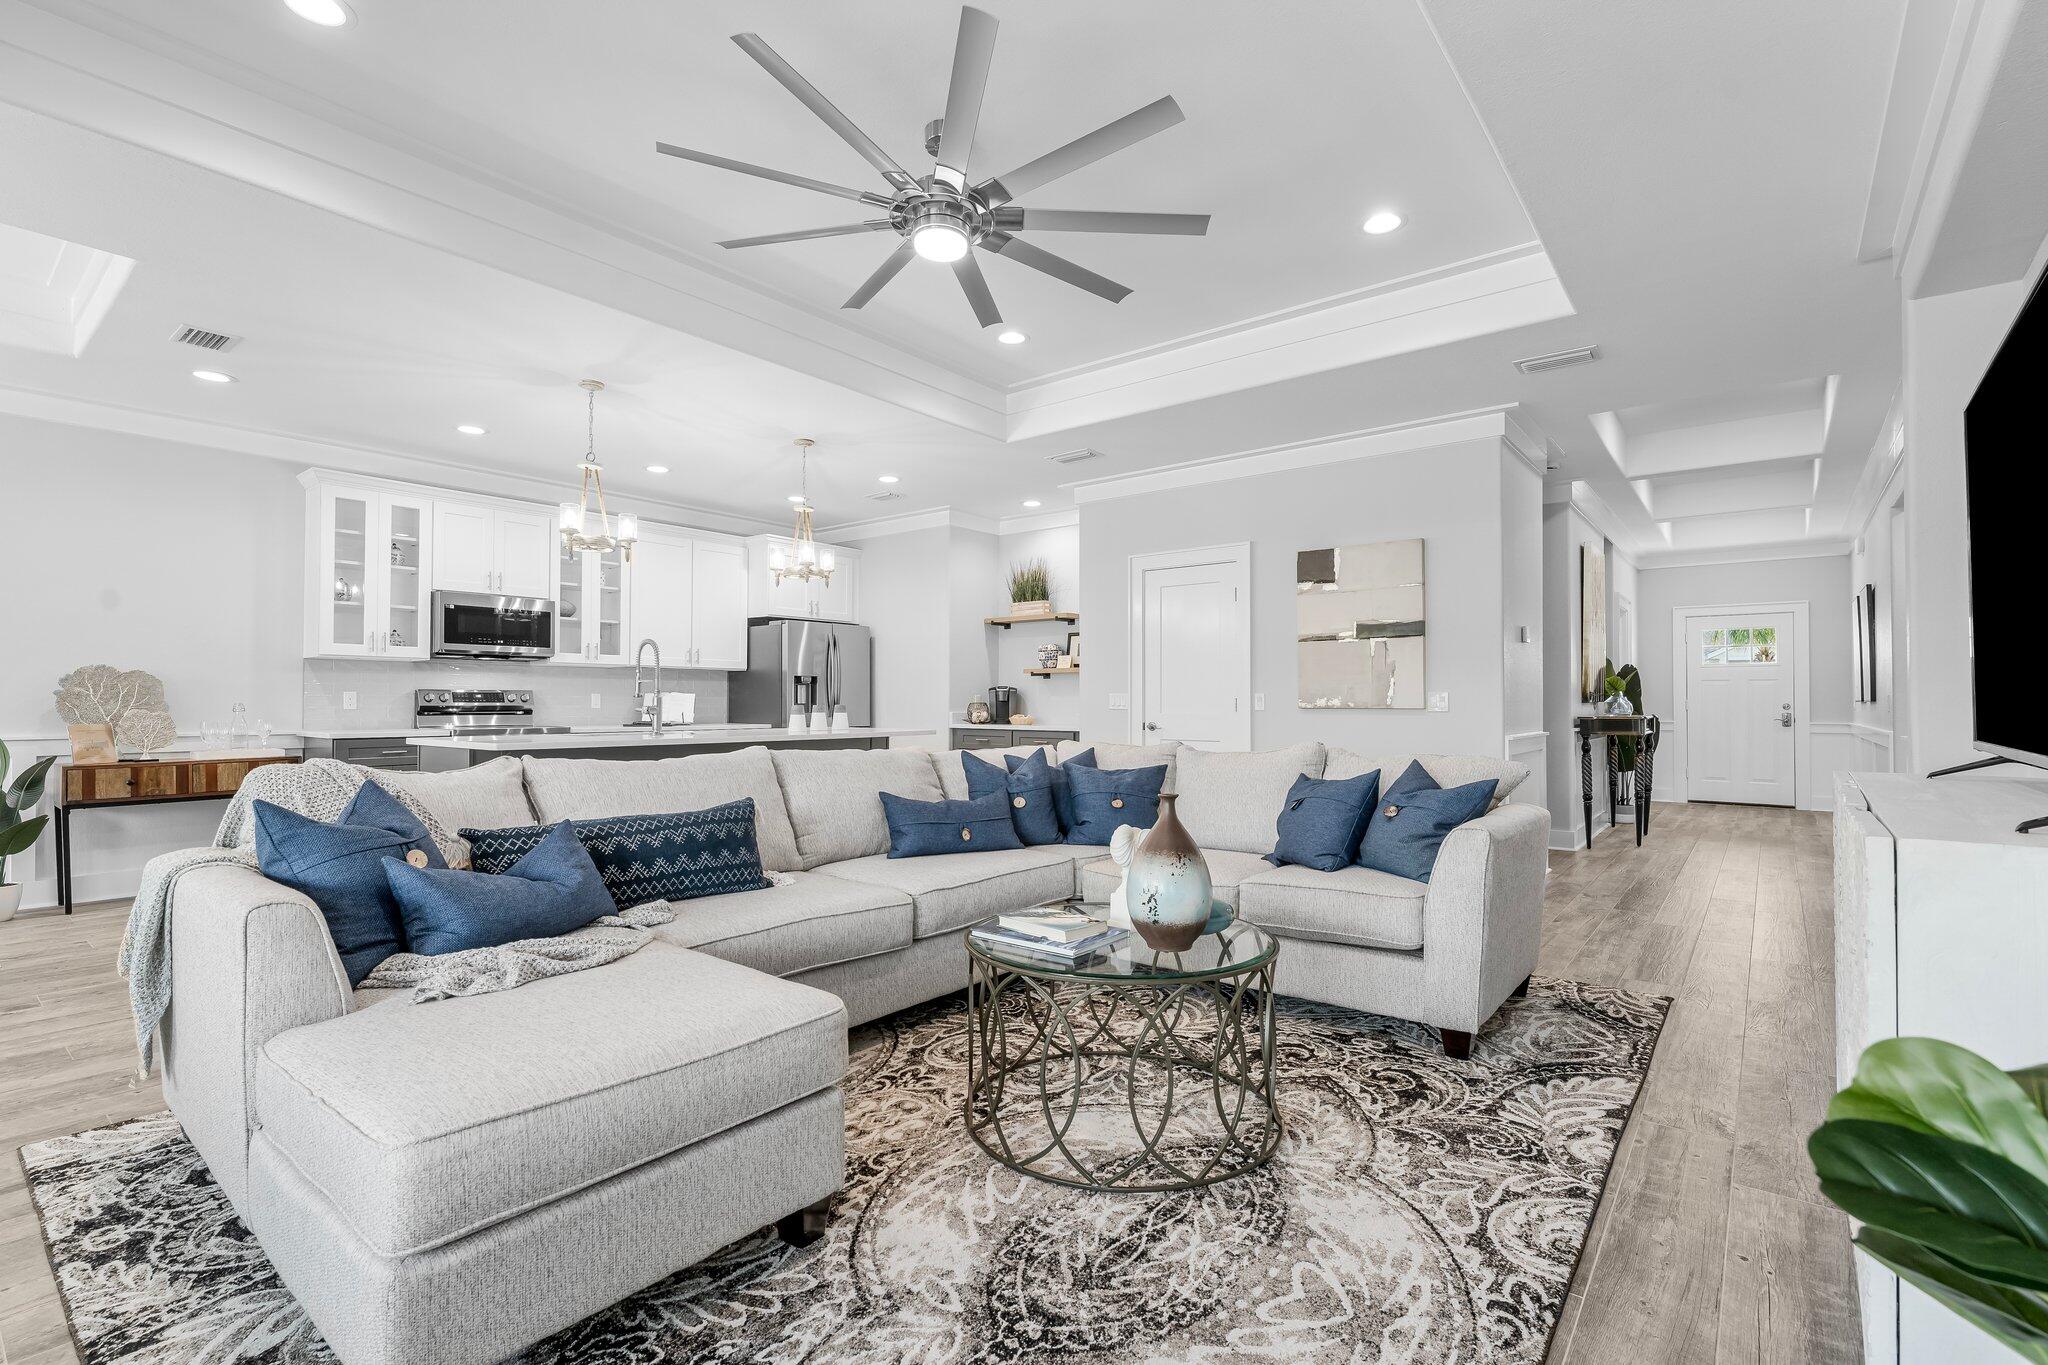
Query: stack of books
x=1056, y=934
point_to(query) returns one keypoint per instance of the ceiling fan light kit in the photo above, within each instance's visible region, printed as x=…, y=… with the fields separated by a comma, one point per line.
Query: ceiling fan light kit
x=942, y=216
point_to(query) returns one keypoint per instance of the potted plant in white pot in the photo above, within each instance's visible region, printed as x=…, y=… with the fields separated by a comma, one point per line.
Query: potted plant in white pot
x=16, y=834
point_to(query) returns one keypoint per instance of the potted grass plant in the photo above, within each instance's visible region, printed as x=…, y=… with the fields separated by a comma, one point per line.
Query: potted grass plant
x=1943, y=1160
x=16, y=833
x=1030, y=589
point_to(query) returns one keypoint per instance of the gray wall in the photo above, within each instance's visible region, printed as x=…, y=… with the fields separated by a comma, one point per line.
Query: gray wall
x=904, y=600
x=1054, y=702
x=1451, y=496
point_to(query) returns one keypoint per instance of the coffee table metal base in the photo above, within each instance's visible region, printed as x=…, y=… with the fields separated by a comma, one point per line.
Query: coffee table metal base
x=1180, y=1070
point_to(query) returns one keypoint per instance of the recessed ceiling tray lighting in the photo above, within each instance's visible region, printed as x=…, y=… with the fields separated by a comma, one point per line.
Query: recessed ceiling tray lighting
x=887, y=478
x=1013, y=337
x=326, y=13
x=657, y=469
x=470, y=429
x=214, y=376
x=1033, y=502
x=1386, y=220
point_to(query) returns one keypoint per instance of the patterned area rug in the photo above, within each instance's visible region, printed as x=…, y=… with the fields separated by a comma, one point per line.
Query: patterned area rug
x=1419, y=1210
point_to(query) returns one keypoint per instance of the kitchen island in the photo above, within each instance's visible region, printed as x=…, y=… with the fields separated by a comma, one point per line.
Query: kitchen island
x=443, y=752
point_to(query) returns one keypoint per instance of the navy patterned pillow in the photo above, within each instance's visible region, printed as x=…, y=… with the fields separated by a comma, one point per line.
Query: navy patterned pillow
x=642, y=858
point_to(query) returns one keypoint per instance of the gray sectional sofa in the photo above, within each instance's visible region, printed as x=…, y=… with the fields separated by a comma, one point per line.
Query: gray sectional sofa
x=454, y=1181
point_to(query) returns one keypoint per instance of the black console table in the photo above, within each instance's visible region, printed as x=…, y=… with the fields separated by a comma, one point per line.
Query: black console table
x=1646, y=730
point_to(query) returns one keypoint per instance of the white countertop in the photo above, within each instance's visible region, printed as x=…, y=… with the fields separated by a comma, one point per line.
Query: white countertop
x=680, y=738
x=441, y=731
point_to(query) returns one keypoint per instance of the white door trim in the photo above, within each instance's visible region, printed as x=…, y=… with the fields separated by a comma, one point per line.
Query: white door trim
x=1802, y=691
x=1237, y=553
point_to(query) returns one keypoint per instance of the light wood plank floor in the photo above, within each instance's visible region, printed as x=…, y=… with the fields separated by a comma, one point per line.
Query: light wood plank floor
x=1712, y=1243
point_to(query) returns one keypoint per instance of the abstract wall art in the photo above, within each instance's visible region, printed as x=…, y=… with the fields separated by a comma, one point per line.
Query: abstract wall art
x=1592, y=620
x=1360, y=631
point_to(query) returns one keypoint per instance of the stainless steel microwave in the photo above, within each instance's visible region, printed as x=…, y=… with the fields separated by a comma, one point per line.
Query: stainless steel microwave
x=485, y=625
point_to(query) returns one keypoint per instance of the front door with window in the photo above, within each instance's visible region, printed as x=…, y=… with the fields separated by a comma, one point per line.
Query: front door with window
x=1740, y=728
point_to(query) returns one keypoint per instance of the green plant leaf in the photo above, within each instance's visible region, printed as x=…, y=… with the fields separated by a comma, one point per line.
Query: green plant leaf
x=28, y=788
x=2015, y=1317
x=1970, y=1205
x=2033, y=1083
x=18, y=838
x=1936, y=1087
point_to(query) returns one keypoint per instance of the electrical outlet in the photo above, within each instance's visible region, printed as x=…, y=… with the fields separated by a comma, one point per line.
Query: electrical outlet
x=348, y=701
x=1119, y=701
x=1439, y=701
x=1258, y=701
x=597, y=701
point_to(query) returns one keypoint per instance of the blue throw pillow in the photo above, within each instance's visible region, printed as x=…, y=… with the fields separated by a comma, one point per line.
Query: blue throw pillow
x=1408, y=827
x=1105, y=798
x=1414, y=779
x=1028, y=787
x=1323, y=820
x=341, y=868
x=552, y=890
x=672, y=857
x=918, y=829
x=1062, y=793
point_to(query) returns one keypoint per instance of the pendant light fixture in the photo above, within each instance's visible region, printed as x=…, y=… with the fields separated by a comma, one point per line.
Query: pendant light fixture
x=803, y=561
x=580, y=529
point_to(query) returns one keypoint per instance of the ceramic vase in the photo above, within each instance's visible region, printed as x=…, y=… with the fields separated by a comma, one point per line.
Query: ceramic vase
x=1170, y=892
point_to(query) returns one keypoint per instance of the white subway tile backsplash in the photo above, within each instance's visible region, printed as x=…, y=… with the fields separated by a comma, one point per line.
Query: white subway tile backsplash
x=561, y=695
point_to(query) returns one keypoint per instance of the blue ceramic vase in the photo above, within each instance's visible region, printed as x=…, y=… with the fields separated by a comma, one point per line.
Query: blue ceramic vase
x=1169, y=891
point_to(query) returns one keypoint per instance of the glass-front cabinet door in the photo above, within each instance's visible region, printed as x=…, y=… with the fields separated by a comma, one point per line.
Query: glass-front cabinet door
x=344, y=591
x=572, y=636
x=605, y=586
x=399, y=563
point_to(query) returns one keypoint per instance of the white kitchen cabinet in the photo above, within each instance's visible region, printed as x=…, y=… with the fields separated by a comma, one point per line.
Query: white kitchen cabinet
x=718, y=604
x=663, y=610
x=834, y=601
x=593, y=600
x=367, y=582
x=507, y=550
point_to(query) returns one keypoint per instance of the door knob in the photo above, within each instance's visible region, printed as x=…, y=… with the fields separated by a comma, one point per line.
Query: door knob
x=1151, y=725
x=1785, y=718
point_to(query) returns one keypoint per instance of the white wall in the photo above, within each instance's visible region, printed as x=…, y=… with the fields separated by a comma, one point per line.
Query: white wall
x=1450, y=496
x=1823, y=584
x=143, y=554
x=1522, y=659
x=975, y=577
x=905, y=599
x=1054, y=703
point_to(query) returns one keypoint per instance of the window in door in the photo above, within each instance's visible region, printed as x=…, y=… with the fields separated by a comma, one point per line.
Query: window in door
x=1731, y=645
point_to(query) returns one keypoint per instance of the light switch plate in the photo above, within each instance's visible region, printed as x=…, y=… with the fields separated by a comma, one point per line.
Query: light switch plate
x=1258, y=701
x=597, y=701
x=1119, y=701
x=1439, y=701
x=348, y=701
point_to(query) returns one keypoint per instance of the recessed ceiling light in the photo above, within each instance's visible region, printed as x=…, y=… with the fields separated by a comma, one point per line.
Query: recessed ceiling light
x=1033, y=502
x=1013, y=337
x=1386, y=220
x=470, y=429
x=213, y=376
x=796, y=497
x=326, y=13
x=886, y=478
x=657, y=469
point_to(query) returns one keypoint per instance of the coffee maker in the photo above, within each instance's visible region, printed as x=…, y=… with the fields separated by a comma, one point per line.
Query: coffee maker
x=1002, y=703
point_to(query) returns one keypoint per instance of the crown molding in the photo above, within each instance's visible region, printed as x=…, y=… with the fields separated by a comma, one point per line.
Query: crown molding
x=1743, y=554
x=336, y=456
x=1038, y=521
x=1476, y=425
x=931, y=519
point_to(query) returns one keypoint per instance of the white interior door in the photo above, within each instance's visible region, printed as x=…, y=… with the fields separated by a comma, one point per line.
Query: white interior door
x=1195, y=643
x=1739, y=722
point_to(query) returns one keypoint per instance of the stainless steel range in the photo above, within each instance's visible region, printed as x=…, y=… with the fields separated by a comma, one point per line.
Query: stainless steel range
x=478, y=711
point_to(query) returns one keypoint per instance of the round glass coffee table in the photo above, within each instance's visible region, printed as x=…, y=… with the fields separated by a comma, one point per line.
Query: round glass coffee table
x=1132, y=1070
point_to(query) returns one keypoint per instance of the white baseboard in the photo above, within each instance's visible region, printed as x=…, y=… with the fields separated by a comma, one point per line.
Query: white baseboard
x=109, y=884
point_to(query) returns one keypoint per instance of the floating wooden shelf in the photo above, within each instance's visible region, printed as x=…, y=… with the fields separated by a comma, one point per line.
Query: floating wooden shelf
x=1007, y=621
x=1052, y=672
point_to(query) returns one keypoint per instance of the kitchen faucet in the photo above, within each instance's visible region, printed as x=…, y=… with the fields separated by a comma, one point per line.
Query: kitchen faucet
x=638, y=653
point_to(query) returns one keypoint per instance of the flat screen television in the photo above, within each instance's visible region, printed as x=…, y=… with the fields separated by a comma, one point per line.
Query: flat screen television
x=2008, y=502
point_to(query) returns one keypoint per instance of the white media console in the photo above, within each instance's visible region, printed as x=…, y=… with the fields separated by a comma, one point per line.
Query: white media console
x=1941, y=931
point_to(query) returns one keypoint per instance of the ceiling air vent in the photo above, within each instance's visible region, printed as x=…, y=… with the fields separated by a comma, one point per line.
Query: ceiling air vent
x=1557, y=360
x=205, y=340
x=884, y=495
x=1075, y=456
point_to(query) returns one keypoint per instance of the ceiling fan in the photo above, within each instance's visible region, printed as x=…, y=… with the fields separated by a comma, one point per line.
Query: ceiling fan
x=941, y=217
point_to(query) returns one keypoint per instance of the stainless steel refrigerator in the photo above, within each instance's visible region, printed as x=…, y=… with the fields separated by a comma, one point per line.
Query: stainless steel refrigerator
x=804, y=665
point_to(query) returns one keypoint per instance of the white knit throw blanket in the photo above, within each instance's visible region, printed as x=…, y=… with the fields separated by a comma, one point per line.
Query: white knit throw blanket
x=321, y=789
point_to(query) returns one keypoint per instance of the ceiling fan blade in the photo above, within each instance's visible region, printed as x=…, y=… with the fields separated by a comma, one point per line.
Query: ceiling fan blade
x=807, y=234
x=802, y=182
x=971, y=57
x=1085, y=150
x=968, y=271
x=898, y=258
x=769, y=58
x=1059, y=267
x=1014, y=219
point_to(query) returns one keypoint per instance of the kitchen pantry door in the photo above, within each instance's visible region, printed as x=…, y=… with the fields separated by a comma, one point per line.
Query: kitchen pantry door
x=1740, y=723
x=1192, y=665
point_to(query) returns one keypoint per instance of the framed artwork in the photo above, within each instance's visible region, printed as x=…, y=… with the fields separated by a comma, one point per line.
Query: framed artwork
x=1592, y=620
x=1360, y=637
x=1870, y=640
x=1857, y=635
x=1074, y=646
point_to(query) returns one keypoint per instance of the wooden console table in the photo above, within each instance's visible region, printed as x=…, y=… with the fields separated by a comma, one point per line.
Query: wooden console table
x=1646, y=730
x=82, y=786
